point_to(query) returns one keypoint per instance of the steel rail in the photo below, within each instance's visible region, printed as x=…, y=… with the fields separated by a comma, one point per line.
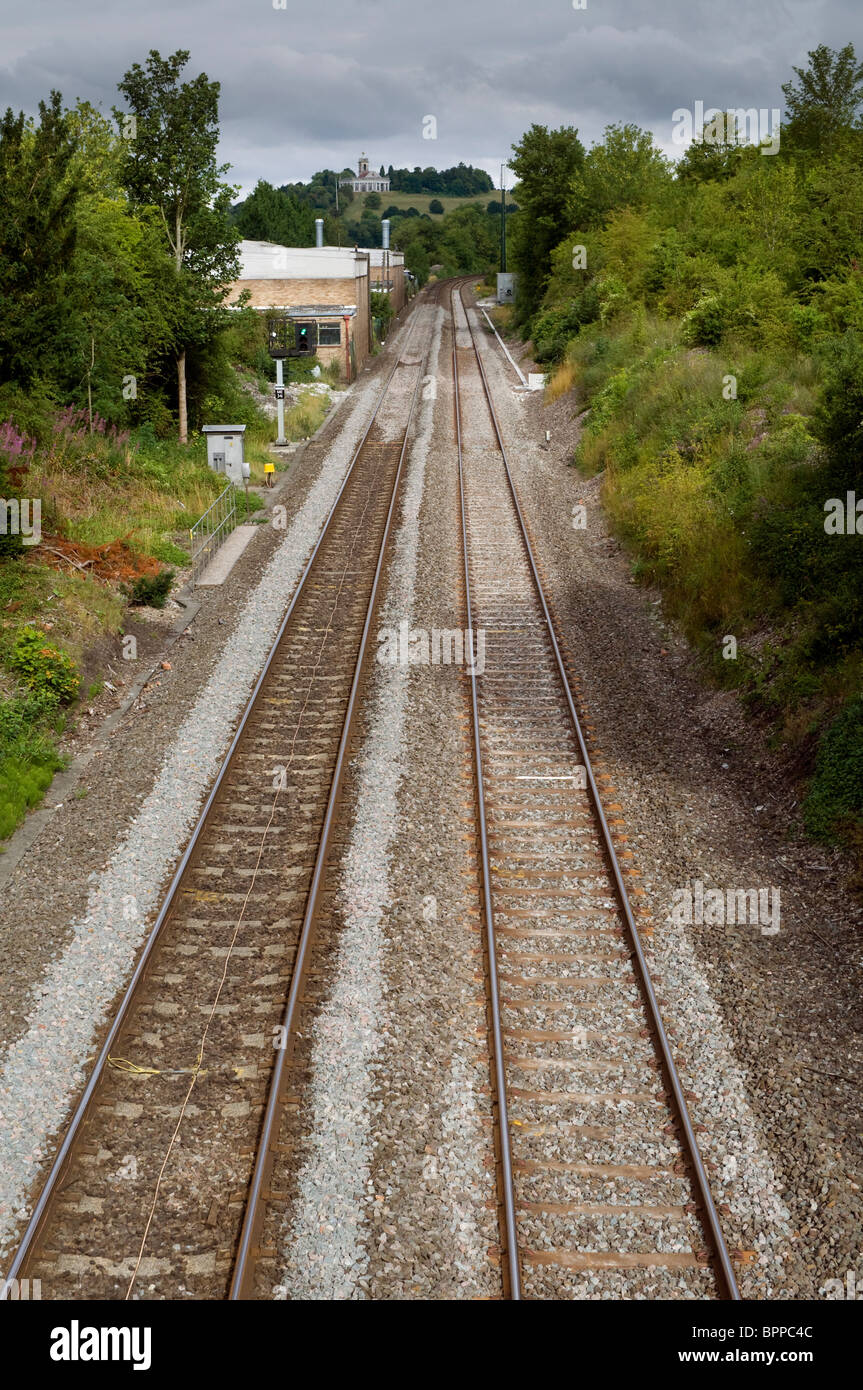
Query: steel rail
x=40, y=1210
x=245, y=1257
x=710, y=1216
x=507, y=1181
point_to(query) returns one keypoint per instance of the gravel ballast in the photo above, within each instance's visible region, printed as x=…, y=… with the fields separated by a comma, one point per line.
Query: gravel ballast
x=395, y=1183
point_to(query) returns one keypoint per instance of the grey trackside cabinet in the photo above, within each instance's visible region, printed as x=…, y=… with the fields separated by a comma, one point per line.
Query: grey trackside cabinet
x=505, y=287
x=225, y=450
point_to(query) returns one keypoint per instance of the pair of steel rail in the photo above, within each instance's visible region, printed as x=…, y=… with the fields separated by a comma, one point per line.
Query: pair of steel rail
x=707, y=1207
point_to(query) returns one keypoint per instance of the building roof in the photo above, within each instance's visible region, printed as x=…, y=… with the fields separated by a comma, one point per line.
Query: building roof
x=266, y=260
x=376, y=255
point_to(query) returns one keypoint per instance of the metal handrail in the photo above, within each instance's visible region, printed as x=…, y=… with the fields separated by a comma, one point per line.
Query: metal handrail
x=218, y=518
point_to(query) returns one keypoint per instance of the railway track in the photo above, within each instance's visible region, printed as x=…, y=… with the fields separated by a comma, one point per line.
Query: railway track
x=167, y=1183
x=162, y=1180
x=602, y=1189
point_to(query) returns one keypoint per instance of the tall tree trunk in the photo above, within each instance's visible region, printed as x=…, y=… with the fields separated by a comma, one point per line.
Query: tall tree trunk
x=181, y=397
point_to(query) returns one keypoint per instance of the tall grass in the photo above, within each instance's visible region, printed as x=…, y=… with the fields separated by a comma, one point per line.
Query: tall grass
x=562, y=379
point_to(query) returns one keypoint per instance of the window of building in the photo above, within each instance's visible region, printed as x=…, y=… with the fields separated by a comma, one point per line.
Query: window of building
x=329, y=334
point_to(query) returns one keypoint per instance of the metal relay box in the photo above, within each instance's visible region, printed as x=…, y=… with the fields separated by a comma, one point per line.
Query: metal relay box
x=225, y=450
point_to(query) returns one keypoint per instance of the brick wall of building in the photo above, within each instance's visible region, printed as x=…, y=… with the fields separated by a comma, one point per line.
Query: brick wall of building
x=270, y=293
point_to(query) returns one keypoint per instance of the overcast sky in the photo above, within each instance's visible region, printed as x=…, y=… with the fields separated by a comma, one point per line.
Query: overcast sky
x=310, y=86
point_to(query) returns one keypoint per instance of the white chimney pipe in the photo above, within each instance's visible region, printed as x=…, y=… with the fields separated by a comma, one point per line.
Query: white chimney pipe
x=319, y=231
x=385, y=229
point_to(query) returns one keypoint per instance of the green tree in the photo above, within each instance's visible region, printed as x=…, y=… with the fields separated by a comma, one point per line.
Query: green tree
x=825, y=100
x=269, y=214
x=468, y=241
x=710, y=159
x=545, y=163
x=120, y=316
x=625, y=170
x=373, y=201
x=119, y=308
x=170, y=164
x=37, y=234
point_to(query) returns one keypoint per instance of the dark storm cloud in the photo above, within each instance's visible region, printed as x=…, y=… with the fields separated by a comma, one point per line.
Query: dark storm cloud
x=309, y=86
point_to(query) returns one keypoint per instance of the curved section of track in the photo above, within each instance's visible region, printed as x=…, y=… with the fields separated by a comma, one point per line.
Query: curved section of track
x=603, y=1190
x=159, y=1185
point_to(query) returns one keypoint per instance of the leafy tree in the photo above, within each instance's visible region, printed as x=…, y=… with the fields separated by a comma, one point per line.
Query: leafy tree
x=373, y=201
x=713, y=159
x=37, y=233
x=839, y=416
x=97, y=160
x=118, y=307
x=269, y=214
x=436, y=205
x=545, y=163
x=825, y=100
x=831, y=230
x=367, y=230
x=461, y=181
x=170, y=164
x=381, y=308
x=468, y=241
x=625, y=170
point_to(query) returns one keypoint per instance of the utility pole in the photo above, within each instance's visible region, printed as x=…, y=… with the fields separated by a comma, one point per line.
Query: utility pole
x=502, y=220
x=280, y=403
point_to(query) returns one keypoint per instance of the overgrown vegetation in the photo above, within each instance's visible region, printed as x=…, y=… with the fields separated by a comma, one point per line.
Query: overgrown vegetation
x=116, y=248
x=28, y=755
x=709, y=316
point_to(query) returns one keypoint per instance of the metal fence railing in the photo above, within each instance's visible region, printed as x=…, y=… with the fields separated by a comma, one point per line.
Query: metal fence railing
x=214, y=526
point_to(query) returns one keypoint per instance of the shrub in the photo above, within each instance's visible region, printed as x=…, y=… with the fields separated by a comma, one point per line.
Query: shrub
x=28, y=756
x=613, y=297
x=44, y=668
x=835, y=799
x=839, y=416
x=434, y=206
x=555, y=328
x=744, y=302
x=706, y=323
x=151, y=590
x=608, y=400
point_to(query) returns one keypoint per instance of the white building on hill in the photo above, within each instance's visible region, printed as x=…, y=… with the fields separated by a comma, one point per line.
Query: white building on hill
x=366, y=181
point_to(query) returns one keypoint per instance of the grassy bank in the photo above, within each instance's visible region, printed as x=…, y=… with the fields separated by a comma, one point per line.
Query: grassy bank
x=421, y=202
x=715, y=474
x=117, y=507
